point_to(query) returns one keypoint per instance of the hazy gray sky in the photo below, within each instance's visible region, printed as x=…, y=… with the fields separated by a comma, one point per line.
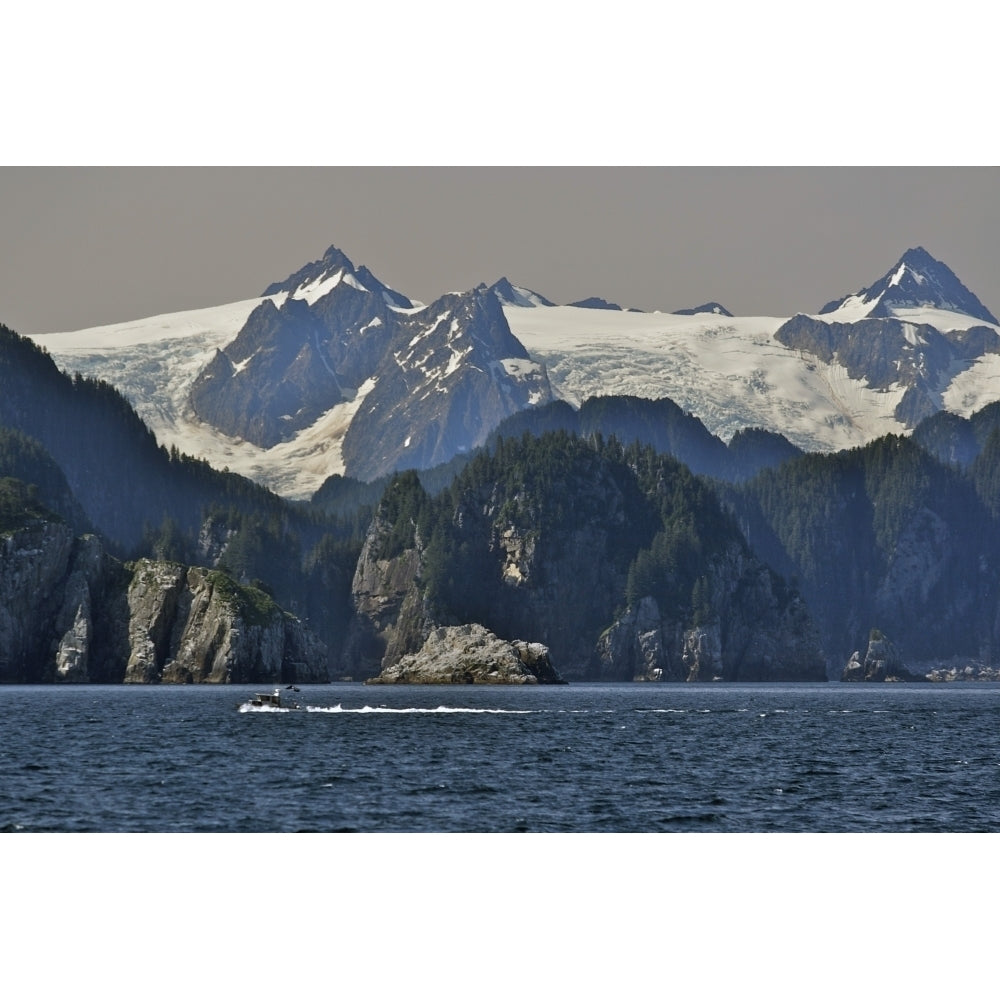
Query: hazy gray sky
x=87, y=246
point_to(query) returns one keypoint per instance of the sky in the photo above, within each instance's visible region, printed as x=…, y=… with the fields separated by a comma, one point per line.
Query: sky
x=502, y=139
x=84, y=246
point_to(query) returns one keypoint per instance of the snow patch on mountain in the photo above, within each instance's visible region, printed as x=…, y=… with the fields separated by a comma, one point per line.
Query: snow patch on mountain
x=730, y=372
x=313, y=291
x=515, y=295
x=974, y=387
x=155, y=361
x=916, y=281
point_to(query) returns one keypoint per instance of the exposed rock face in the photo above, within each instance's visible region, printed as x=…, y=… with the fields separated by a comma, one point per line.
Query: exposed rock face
x=709, y=307
x=294, y=361
x=702, y=654
x=34, y=561
x=882, y=662
x=595, y=302
x=74, y=624
x=390, y=618
x=917, y=279
x=451, y=373
x=753, y=633
x=435, y=381
x=633, y=649
x=886, y=352
x=70, y=613
x=470, y=654
x=192, y=625
x=513, y=295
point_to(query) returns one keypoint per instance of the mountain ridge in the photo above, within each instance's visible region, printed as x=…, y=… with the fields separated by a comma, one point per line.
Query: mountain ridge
x=732, y=372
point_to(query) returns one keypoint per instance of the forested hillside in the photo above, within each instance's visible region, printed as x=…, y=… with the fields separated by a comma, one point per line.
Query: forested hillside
x=586, y=530
x=558, y=540
x=886, y=536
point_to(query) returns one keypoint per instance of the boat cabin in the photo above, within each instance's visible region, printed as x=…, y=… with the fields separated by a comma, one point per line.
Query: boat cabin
x=273, y=699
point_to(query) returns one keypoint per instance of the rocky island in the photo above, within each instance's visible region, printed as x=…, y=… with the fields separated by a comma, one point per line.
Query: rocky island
x=882, y=662
x=471, y=654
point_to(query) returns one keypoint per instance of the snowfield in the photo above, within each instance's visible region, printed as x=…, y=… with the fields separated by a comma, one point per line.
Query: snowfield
x=730, y=372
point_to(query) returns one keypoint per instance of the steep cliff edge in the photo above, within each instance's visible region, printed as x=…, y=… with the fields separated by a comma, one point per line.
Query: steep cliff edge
x=193, y=625
x=71, y=613
x=882, y=662
x=748, y=627
x=34, y=563
x=390, y=616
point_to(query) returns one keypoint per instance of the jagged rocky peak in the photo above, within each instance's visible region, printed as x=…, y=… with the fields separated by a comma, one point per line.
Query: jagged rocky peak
x=917, y=280
x=320, y=277
x=515, y=295
x=451, y=373
x=275, y=378
x=301, y=354
x=477, y=314
x=713, y=308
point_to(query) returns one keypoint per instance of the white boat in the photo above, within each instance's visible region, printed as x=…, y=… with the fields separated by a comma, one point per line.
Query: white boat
x=272, y=701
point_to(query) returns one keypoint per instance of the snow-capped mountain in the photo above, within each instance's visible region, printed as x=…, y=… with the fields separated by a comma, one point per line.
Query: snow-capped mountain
x=320, y=277
x=917, y=281
x=331, y=371
x=452, y=372
x=829, y=381
x=305, y=349
x=514, y=295
x=435, y=380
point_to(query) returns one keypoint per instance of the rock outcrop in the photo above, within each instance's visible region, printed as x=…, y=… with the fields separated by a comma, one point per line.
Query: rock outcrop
x=636, y=649
x=74, y=625
x=471, y=654
x=390, y=619
x=882, y=662
x=752, y=631
x=34, y=561
x=71, y=613
x=192, y=625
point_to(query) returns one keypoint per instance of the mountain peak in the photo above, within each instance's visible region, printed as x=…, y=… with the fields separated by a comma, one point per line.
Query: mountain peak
x=918, y=257
x=917, y=280
x=335, y=257
x=708, y=307
x=320, y=277
x=515, y=295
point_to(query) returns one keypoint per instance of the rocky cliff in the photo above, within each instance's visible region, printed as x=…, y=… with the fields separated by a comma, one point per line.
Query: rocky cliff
x=71, y=613
x=390, y=617
x=449, y=375
x=887, y=353
x=752, y=629
x=34, y=562
x=882, y=662
x=192, y=625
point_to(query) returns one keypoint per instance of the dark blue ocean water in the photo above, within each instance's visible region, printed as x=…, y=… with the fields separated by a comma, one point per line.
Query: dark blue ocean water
x=643, y=757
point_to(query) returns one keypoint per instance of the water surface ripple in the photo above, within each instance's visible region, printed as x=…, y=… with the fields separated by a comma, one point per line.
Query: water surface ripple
x=620, y=758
